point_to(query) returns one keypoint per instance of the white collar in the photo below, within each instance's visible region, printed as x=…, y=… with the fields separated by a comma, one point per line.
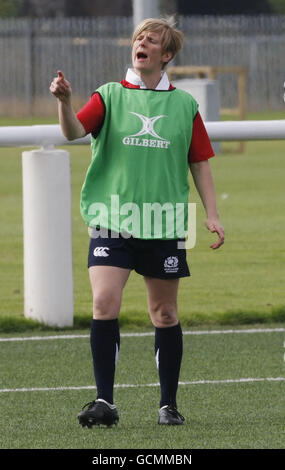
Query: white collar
x=133, y=78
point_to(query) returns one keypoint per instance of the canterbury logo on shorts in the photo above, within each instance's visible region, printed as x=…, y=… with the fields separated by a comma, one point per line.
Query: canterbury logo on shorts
x=101, y=251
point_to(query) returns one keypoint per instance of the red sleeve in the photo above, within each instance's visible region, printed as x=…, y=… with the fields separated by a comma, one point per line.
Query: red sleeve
x=200, y=147
x=92, y=114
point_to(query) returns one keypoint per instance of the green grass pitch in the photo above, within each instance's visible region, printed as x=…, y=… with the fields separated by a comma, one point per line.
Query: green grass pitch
x=231, y=393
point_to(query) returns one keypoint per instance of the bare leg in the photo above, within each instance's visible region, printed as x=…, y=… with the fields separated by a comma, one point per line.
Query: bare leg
x=107, y=284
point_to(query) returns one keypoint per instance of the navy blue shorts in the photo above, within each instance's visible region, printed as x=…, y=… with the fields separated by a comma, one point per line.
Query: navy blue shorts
x=152, y=258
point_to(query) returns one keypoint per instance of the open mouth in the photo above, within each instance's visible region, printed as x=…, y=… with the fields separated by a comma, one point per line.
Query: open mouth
x=141, y=55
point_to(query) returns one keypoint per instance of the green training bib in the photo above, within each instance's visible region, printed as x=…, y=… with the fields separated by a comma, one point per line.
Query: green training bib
x=137, y=182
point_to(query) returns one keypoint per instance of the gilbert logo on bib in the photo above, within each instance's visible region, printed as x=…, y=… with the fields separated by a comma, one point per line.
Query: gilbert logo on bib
x=101, y=251
x=147, y=129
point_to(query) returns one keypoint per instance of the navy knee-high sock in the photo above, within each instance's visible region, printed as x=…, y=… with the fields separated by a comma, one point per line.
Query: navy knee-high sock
x=105, y=345
x=168, y=352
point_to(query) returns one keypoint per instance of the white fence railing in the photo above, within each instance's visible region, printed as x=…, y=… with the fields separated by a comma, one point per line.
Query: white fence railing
x=48, y=277
x=51, y=135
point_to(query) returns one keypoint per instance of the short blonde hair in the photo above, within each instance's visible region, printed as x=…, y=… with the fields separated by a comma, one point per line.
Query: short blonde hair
x=171, y=38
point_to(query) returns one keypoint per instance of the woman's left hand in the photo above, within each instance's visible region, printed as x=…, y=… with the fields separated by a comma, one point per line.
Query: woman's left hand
x=215, y=226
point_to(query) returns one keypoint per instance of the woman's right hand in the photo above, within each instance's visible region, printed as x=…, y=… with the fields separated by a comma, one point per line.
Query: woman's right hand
x=60, y=87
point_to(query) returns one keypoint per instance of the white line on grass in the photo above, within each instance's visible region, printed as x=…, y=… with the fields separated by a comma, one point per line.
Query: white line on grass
x=198, y=382
x=132, y=335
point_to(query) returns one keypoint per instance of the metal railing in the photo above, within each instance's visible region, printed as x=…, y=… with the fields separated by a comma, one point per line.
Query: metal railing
x=92, y=51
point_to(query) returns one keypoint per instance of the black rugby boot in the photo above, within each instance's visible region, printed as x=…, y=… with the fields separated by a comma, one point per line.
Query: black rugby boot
x=98, y=412
x=170, y=415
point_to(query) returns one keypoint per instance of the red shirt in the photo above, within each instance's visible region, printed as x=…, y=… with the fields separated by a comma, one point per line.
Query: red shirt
x=92, y=117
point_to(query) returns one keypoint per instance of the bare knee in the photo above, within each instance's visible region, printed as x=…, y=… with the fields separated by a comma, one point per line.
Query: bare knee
x=106, y=305
x=107, y=283
x=164, y=315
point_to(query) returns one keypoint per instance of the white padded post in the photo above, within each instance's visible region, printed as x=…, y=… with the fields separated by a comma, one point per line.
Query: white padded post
x=144, y=9
x=48, y=277
x=206, y=93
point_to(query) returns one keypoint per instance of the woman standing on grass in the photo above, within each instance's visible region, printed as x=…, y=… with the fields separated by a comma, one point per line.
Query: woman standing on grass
x=144, y=135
